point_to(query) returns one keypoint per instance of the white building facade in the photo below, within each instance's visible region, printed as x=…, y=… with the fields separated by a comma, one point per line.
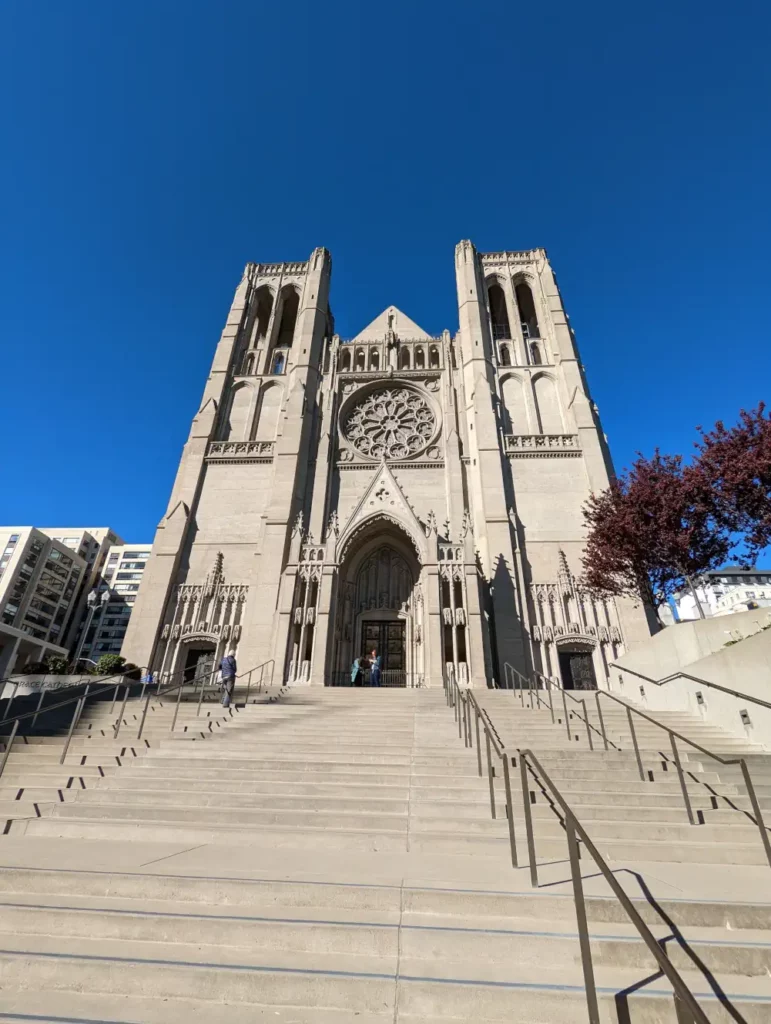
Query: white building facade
x=724, y=592
x=416, y=494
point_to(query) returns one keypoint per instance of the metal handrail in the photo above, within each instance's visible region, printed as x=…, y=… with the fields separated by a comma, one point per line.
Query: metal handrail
x=549, y=685
x=70, y=700
x=694, y=679
x=80, y=703
x=576, y=831
x=673, y=736
x=158, y=695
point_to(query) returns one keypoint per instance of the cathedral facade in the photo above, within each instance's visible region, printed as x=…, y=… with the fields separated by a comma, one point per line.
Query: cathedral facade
x=416, y=495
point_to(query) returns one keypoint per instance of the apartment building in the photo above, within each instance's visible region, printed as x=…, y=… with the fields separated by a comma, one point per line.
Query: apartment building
x=117, y=591
x=40, y=579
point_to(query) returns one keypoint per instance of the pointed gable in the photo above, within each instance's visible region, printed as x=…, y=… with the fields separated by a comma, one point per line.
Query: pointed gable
x=392, y=319
x=384, y=496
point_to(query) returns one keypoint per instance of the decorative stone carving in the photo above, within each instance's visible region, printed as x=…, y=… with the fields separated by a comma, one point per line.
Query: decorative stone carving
x=393, y=423
x=333, y=526
x=430, y=524
x=165, y=632
x=467, y=526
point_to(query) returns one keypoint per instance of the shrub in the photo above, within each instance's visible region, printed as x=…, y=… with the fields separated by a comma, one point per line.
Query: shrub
x=109, y=665
x=57, y=665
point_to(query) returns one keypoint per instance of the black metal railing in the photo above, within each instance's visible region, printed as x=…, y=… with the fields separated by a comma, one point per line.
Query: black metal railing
x=694, y=679
x=465, y=705
x=185, y=681
x=389, y=677
x=533, y=686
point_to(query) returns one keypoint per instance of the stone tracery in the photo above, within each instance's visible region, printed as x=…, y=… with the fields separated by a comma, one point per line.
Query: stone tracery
x=390, y=423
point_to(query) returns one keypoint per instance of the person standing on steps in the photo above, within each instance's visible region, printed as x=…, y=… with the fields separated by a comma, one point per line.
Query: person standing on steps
x=228, y=670
x=375, y=662
x=356, y=673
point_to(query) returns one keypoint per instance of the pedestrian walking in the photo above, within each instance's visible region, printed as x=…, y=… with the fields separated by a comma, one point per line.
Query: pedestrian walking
x=228, y=670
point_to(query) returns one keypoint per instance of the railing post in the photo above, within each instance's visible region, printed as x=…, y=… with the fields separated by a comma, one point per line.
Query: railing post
x=479, y=745
x=681, y=777
x=565, y=708
x=551, y=701
x=528, y=820
x=510, y=809
x=203, y=686
x=114, y=697
x=588, y=727
x=144, y=716
x=73, y=723
x=583, y=927
x=634, y=744
x=490, y=772
x=8, y=745
x=756, y=808
x=39, y=705
x=122, y=713
x=11, y=699
x=176, y=708
x=248, y=687
x=602, y=720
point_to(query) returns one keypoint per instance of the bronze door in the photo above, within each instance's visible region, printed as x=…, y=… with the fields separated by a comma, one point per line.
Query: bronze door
x=388, y=639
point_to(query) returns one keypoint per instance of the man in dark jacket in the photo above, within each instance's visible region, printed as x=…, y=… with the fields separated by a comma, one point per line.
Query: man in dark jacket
x=228, y=670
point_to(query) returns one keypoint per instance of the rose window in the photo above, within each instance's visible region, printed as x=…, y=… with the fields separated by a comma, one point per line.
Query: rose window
x=392, y=424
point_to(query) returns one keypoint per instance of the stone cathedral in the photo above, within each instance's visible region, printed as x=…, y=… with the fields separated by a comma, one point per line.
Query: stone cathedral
x=413, y=494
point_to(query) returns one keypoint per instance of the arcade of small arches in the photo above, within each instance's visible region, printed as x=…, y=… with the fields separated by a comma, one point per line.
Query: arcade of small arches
x=373, y=358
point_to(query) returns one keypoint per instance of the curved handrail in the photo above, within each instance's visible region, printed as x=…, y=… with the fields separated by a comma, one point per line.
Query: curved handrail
x=574, y=828
x=673, y=734
x=695, y=679
x=467, y=699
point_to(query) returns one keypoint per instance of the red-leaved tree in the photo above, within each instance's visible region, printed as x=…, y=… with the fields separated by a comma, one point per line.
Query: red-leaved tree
x=652, y=531
x=735, y=463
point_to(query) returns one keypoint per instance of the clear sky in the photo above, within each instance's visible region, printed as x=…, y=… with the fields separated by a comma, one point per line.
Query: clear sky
x=151, y=148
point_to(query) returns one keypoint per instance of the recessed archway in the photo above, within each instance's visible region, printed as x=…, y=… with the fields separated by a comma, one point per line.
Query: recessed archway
x=379, y=605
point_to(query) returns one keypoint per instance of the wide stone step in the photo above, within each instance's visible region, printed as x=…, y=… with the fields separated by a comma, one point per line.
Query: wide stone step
x=345, y=983
x=422, y=936
x=189, y=892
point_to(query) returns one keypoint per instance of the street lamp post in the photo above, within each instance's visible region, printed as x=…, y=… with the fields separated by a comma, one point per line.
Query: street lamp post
x=93, y=601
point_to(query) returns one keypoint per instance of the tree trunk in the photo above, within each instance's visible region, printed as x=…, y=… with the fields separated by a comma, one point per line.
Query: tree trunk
x=693, y=590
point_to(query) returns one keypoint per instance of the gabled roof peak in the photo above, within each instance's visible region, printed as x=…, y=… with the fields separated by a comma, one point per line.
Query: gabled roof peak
x=392, y=319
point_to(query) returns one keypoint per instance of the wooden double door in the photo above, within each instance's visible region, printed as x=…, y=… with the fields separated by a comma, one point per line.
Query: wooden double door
x=388, y=638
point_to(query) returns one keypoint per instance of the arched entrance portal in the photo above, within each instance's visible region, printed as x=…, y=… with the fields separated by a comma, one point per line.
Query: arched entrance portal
x=380, y=605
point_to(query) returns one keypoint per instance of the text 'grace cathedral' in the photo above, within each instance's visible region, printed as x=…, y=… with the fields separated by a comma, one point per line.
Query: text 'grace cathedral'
x=420, y=496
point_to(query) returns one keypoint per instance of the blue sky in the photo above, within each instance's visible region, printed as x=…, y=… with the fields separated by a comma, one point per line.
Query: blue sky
x=153, y=148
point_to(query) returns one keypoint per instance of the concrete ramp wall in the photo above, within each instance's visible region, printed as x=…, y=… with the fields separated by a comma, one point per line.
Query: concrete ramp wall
x=744, y=667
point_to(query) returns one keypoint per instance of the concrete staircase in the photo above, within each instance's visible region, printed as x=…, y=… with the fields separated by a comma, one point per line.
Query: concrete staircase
x=332, y=858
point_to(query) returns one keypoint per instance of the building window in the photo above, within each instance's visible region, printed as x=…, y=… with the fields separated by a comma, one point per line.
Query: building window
x=135, y=554
x=129, y=576
x=133, y=565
